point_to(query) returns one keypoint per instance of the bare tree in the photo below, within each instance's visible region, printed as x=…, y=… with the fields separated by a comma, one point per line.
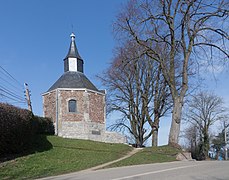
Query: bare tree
x=203, y=111
x=137, y=89
x=191, y=135
x=161, y=102
x=188, y=29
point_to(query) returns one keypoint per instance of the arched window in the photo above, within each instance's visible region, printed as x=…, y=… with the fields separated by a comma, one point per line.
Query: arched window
x=72, y=106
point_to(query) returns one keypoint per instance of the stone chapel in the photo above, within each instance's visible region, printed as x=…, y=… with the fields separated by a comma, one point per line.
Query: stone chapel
x=76, y=107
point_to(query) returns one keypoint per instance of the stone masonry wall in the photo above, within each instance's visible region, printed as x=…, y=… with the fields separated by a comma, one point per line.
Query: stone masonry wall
x=49, y=105
x=89, y=120
x=114, y=137
x=82, y=130
x=96, y=107
x=64, y=97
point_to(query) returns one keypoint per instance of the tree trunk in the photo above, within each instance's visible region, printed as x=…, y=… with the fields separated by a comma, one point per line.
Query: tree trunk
x=155, y=128
x=155, y=138
x=206, y=143
x=175, y=124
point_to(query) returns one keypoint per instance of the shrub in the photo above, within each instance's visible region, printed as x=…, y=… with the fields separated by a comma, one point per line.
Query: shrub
x=16, y=129
x=43, y=125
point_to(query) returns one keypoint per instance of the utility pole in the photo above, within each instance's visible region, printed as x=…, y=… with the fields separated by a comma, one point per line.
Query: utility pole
x=27, y=93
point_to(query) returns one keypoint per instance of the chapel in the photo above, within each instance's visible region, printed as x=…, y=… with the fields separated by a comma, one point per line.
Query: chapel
x=76, y=107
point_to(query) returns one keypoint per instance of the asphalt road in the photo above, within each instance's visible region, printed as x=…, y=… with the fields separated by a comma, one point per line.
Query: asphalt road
x=189, y=170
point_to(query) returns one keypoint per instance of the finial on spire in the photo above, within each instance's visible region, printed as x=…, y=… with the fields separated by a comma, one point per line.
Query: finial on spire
x=72, y=36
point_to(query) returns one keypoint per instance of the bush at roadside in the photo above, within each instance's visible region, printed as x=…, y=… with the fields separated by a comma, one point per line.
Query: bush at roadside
x=18, y=128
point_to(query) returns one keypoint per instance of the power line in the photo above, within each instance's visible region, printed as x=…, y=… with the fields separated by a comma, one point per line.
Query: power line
x=12, y=101
x=11, y=90
x=11, y=93
x=12, y=85
x=16, y=100
x=11, y=76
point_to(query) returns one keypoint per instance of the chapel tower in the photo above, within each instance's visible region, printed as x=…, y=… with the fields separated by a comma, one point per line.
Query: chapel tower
x=73, y=61
x=75, y=105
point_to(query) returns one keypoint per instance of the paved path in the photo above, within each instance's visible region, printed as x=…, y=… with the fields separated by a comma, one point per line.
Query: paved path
x=131, y=153
x=188, y=170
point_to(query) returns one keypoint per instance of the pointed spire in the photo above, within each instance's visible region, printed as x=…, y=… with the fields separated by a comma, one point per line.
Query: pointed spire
x=73, y=61
x=73, y=52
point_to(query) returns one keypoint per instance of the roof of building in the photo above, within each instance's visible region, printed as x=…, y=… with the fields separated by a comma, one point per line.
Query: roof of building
x=73, y=80
x=73, y=52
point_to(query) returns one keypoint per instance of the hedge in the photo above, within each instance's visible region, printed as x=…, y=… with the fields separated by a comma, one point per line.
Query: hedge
x=18, y=128
x=43, y=125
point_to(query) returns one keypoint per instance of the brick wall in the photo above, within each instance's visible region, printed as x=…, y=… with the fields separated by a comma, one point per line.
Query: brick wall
x=49, y=105
x=96, y=107
x=89, y=120
x=65, y=96
x=90, y=106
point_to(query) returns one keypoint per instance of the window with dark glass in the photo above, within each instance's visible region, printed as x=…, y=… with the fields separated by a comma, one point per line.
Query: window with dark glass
x=72, y=105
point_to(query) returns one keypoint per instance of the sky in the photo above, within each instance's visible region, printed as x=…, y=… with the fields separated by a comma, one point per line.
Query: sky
x=35, y=38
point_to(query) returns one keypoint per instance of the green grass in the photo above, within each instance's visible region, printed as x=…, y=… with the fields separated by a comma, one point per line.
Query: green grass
x=53, y=155
x=61, y=156
x=149, y=155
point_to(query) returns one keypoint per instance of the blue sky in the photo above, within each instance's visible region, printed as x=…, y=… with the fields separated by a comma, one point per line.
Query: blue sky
x=35, y=37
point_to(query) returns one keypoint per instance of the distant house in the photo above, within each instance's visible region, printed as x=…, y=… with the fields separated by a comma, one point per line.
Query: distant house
x=75, y=105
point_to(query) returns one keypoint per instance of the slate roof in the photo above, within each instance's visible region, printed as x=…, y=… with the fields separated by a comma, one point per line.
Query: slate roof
x=72, y=79
x=73, y=51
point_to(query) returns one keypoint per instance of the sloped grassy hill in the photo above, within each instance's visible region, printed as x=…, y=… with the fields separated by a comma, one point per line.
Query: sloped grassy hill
x=150, y=155
x=53, y=155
